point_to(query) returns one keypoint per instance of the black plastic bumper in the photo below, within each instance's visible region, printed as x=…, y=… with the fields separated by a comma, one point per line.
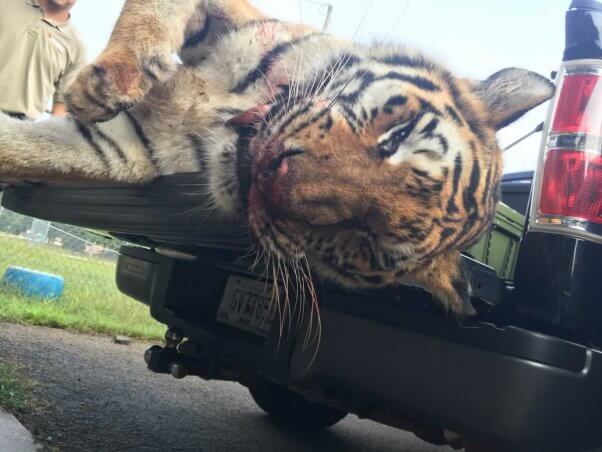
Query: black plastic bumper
x=168, y=211
x=382, y=354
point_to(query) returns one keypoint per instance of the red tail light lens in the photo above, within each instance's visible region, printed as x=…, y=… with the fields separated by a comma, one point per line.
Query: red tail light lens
x=572, y=185
x=575, y=113
x=567, y=197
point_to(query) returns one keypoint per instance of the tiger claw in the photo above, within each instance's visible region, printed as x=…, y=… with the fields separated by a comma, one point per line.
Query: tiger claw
x=452, y=302
x=467, y=308
x=461, y=298
x=447, y=281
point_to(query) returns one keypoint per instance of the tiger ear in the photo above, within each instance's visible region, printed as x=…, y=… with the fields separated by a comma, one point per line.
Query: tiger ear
x=510, y=93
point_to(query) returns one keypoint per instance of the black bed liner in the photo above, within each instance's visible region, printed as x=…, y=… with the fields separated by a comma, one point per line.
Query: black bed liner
x=169, y=211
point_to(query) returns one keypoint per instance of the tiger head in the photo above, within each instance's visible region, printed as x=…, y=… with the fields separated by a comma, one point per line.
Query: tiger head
x=387, y=172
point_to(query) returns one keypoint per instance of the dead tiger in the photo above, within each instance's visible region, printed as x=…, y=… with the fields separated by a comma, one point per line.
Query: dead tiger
x=373, y=163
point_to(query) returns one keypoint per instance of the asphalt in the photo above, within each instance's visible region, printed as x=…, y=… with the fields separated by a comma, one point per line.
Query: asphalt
x=94, y=395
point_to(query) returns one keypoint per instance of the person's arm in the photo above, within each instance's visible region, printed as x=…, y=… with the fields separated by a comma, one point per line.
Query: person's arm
x=59, y=107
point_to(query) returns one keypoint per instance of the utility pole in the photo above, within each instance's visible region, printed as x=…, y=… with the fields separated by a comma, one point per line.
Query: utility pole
x=328, y=19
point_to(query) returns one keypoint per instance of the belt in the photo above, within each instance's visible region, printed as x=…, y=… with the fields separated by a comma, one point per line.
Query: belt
x=12, y=114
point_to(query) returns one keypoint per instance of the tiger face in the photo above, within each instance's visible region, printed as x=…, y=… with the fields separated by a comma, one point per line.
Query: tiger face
x=387, y=173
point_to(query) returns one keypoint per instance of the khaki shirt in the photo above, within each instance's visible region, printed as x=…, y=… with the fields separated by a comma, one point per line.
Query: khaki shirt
x=38, y=58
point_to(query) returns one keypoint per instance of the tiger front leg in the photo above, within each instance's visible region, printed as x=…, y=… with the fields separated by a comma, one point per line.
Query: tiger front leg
x=445, y=278
x=63, y=149
x=139, y=53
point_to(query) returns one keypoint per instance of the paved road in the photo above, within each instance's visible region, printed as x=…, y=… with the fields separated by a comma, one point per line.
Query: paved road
x=99, y=396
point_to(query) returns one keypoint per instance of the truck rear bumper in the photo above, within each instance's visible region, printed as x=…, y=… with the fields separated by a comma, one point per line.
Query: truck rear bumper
x=377, y=355
x=461, y=385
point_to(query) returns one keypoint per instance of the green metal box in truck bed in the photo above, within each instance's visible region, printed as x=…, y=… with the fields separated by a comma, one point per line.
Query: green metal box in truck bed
x=499, y=248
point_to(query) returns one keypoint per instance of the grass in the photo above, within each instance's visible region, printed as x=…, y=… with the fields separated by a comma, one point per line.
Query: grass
x=15, y=390
x=90, y=303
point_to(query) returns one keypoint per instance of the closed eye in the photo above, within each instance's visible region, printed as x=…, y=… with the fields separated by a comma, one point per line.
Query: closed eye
x=389, y=143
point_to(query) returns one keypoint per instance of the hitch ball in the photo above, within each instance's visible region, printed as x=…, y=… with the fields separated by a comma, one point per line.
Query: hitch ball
x=178, y=370
x=148, y=354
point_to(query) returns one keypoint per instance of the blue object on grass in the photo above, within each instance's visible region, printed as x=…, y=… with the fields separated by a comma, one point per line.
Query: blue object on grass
x=34, y=283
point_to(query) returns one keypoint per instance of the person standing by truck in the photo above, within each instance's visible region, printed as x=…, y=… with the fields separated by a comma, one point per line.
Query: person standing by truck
x=41, y=53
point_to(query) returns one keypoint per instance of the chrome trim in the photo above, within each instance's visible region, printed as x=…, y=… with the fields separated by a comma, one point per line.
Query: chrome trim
x=569, y=222
x=537, y=180
x=584, y=142
x=180, y=255
x=568, y=226
x=586, y=67
x=575, y=227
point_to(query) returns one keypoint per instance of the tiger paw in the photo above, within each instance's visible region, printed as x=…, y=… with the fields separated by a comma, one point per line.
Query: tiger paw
x=447, y=281
x=115, y=82
x=457, y=298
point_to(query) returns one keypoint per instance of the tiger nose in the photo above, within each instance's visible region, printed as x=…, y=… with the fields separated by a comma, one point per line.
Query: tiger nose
x=278, y=165
x=270, y=177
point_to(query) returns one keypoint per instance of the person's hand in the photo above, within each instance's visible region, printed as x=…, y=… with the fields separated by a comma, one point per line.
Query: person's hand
x=59, y=109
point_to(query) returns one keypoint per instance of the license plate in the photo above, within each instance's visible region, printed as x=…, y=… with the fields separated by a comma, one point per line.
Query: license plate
x=247, y=305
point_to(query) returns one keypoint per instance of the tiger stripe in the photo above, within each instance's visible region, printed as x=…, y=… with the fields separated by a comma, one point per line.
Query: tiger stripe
x=199, y=36
x=267, y=61
x=146, y=142
x=110, y=142
x=404, y=60
x=452, y=207
x=87, y=134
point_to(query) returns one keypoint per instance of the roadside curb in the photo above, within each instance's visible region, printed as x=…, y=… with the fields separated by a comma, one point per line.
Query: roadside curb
x=14, y=436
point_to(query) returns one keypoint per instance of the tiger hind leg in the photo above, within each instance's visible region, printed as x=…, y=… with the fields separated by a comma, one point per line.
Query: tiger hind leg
x=64, y=149
x=139, y=53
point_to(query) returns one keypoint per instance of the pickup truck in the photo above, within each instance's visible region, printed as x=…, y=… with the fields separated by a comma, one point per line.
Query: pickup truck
x=525, y=373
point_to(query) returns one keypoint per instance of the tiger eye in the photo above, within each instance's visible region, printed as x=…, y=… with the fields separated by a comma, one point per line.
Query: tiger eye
x=389, y=147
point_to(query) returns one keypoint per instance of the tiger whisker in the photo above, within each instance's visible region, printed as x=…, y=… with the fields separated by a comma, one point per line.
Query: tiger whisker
x=272, y=99
x=306, y=274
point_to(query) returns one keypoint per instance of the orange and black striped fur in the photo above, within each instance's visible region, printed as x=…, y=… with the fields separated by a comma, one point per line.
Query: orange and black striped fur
x=374, y=163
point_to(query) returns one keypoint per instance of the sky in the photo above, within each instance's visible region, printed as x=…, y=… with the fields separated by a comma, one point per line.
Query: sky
x=473, y=38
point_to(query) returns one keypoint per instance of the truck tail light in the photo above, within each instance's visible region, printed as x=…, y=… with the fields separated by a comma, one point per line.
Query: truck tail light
x=579, y=108
x=572, y=185
x=567, y=196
